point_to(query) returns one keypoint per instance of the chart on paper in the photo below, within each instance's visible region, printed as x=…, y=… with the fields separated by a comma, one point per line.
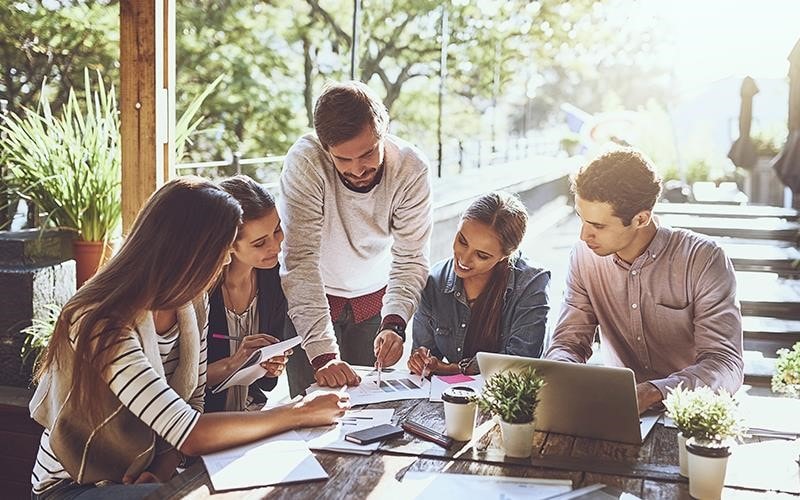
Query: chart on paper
x=396, y=384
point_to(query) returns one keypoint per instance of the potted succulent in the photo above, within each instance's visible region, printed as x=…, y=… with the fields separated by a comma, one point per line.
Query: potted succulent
x=69, y=166
x=786, y=379
x=711, y=421
x=513, y=396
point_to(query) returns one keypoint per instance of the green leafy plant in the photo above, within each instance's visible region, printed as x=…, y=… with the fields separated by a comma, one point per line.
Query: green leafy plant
x=68, y=165
x=704, y=414
x=37, y=336
x=786, y=379
x=511, y=395
x=187, y=125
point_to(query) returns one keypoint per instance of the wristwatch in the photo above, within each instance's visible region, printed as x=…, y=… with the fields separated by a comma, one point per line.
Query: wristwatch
x=396, y=328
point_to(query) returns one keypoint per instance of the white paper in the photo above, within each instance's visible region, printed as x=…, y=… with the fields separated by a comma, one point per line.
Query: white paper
x=773, y=415
x=276, y=460
x=438, y=486
x=438, y=386
x=331, y=438
x=769, y=465
x=251, y=370
x=396, y=384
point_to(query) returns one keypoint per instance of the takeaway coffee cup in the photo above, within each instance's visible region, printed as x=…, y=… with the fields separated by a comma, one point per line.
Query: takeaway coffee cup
x=459, y=412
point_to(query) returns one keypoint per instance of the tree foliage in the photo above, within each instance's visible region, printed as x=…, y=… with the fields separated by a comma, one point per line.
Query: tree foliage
x=509, y=63
x=56, y=41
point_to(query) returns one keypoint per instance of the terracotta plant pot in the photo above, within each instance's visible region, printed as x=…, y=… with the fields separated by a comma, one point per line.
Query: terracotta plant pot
x=89, y=256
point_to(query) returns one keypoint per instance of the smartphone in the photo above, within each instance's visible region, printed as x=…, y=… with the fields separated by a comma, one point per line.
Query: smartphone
x=373, y=434
x=421, y=431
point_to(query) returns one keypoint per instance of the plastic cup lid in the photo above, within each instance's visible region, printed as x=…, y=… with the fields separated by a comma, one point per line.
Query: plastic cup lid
x=458, y=394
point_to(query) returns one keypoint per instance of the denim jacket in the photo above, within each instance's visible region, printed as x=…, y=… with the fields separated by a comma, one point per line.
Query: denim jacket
x=441, y=322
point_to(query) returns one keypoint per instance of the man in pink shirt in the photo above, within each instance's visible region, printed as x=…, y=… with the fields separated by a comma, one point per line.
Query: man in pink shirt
x=664, y=299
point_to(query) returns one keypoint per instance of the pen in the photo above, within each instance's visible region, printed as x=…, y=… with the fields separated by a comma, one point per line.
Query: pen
x=378, y=368
x=226, y=337
x=425, y=371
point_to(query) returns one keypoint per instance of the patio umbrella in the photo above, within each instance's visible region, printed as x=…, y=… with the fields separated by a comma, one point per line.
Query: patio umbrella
x=743, y=151
x=787, y=163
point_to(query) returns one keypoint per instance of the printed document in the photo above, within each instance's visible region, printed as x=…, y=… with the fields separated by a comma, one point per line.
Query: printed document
x=252, y=370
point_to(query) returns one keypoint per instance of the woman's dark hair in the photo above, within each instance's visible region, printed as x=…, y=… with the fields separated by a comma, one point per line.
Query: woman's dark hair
x=255, y=200
x=508, y=218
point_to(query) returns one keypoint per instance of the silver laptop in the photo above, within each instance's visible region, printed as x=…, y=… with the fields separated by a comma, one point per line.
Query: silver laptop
x=580, y=400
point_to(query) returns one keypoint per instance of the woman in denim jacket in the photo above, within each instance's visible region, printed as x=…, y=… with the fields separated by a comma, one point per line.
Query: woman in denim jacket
x=487, y=297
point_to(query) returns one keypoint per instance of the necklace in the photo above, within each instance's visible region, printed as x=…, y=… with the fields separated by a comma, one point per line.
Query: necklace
x=226, y=295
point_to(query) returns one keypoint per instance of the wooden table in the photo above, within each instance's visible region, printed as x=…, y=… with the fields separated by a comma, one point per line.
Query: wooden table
x=730, y=211
x=648, y=471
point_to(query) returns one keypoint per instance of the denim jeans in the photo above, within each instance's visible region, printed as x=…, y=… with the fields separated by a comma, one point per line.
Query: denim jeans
x=355, y=346
x=70, y=490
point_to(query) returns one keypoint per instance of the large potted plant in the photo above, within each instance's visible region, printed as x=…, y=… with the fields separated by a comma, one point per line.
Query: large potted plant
x=786, y=379
x=513, y=397
x=713, y=421
x=69, y=166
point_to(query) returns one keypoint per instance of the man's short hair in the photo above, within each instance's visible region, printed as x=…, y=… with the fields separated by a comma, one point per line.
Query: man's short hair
x=623, y=178
x=344, y=109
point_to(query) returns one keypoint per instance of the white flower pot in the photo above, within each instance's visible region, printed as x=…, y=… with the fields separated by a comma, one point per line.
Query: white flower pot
x=517, y=439
x=682, y=455
x=707, y=462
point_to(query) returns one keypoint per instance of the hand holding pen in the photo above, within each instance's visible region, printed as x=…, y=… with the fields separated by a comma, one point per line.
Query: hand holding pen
x=421, y=362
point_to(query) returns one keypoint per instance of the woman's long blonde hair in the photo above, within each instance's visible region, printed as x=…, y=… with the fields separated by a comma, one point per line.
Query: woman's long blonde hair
x=176, y=248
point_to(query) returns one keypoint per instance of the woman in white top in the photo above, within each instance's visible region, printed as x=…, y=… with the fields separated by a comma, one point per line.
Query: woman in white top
x=120, y=389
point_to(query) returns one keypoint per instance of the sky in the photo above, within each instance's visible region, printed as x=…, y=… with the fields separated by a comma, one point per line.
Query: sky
x=715, y=39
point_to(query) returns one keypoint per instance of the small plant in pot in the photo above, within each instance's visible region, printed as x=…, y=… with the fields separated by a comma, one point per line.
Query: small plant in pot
x=513, y=396
x=681, y=404
x=713, y=421
x=786, y=379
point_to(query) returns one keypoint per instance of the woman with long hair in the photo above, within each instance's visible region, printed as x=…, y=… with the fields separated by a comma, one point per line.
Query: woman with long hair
x=120, y=389
x=248, y=304
x=487, y=297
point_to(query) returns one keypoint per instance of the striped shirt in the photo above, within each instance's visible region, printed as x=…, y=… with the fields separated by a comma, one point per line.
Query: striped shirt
x=146, y=394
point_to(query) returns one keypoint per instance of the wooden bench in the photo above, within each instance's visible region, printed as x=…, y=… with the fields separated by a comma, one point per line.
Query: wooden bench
x=19, y=436
x=763, y=228
x=767, y=335
x=728, y=211
x=763, y=257
x=765, y=294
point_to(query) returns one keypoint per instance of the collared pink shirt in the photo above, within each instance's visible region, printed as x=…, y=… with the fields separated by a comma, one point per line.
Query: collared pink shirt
x=671, y=316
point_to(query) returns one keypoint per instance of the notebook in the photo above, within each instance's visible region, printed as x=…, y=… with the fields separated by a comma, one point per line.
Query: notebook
x=581, y=400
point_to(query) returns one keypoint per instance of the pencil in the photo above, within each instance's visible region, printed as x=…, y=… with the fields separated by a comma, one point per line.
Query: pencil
x=226, y=337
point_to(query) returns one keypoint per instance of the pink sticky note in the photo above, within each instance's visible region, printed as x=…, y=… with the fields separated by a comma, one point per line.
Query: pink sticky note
x=456, y=379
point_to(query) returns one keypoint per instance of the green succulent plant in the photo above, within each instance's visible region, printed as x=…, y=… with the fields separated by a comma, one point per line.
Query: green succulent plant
x=512, y=395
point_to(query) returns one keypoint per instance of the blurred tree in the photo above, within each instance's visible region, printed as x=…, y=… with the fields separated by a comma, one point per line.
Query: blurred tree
x=55, y=40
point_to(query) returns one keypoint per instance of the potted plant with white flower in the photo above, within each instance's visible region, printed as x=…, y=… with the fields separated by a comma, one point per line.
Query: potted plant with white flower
x=711, y=422
x=513, y=397
x=786, y=379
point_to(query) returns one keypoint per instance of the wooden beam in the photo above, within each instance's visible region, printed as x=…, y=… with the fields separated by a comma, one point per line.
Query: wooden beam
x=147, y=68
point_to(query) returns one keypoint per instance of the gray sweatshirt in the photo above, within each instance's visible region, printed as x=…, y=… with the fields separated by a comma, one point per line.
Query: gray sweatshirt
x=348, y=244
